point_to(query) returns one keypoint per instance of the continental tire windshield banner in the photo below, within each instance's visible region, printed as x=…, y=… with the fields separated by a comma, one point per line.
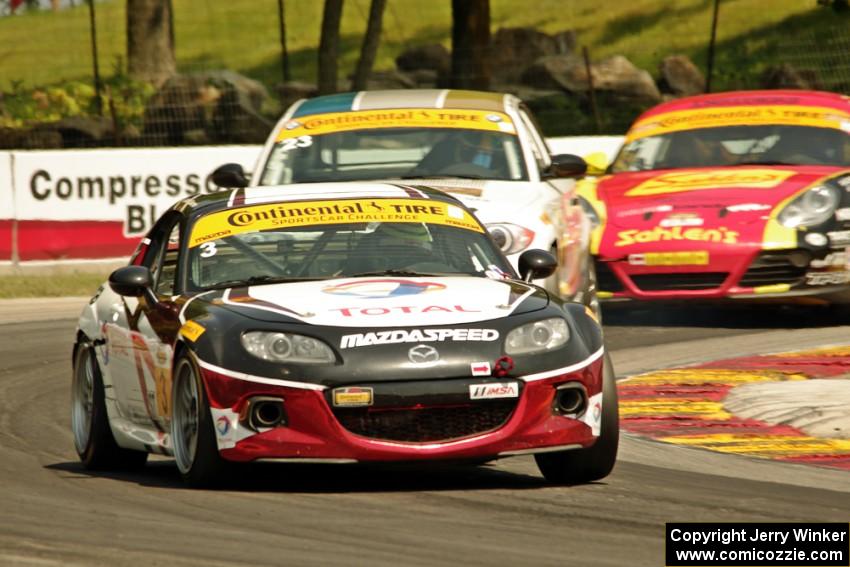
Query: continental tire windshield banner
x=316, y=124
x=690, y=119
x=306, y=213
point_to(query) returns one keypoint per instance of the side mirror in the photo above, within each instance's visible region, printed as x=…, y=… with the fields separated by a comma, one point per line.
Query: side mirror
x=133, y=281
x=597, y=163
x=566, y=165
x=536, y=264
x=230, y=175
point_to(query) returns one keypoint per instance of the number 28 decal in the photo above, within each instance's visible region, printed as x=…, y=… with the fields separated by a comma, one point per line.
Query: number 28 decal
x=290, y=144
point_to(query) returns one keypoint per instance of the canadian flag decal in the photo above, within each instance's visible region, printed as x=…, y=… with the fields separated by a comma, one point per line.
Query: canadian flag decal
x=480, y=368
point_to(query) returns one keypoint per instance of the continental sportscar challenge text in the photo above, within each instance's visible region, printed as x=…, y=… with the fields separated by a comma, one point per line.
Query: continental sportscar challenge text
x=757, y=544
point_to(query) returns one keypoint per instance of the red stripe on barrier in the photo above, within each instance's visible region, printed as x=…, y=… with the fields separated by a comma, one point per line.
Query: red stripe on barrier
x=64, y=240
x=5, y=239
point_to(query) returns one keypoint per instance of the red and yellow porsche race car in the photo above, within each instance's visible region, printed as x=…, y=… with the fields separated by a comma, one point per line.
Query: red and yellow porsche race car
x=738, y=195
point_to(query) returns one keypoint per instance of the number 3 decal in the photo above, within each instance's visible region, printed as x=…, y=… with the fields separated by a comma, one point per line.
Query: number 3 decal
x=208, y=250
x=299, y=142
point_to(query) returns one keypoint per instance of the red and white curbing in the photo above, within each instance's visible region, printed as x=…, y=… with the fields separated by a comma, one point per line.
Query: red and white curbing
x=791, y=407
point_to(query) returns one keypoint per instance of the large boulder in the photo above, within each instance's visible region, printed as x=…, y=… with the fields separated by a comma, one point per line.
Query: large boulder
x=389, y=80
x=432, y=56
x=786, y=76
x=77, y=131
x=200, y=108
x=292, y=91
x=615, y=75
x=679, y=76
x=23, y=139
x=512, y=48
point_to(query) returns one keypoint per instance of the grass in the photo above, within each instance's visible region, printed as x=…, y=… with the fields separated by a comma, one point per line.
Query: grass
x=60, y=285
x=41, y=48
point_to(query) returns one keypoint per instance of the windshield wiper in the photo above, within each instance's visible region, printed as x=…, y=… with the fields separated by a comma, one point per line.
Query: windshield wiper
x=764, y=162
x=409, y=273
x=442, y=176
x=254, y=280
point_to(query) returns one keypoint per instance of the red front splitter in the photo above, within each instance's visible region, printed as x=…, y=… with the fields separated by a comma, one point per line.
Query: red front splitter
x=313, y=432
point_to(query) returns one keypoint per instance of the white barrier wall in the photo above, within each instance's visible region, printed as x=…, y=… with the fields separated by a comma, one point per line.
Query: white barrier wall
x=94, y=204
x=72, y=204
x=7, y=207
x=584, y=145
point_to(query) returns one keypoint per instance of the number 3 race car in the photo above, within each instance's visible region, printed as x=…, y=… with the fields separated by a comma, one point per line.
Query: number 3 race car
x=337, y=323
x=742, y=195
x=483, y=148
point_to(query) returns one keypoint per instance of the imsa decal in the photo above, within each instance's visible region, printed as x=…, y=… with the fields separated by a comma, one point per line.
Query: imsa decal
x=494, y=391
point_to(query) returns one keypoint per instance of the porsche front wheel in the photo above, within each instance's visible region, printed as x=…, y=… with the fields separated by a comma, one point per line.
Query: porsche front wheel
x=93, y=438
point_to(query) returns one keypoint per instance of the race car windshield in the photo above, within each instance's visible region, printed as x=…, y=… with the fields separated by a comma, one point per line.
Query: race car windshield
x=386, y=153
x=248, y=246
x=736, y=145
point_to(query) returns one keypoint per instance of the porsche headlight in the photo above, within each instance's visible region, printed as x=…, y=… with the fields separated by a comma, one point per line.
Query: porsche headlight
x=287, y=347
x=510, y=238
x=539, y=336
x=589, y=212
x=812, y=208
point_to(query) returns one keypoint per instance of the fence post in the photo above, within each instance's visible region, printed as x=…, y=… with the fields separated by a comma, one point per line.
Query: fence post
x=93, y=34
x=281, y=20
x=591, y=90
x=711, y=46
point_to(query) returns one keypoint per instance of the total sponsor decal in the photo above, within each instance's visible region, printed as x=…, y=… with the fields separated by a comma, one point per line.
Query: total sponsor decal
x=658, y=234
x=417, y=336
x=382, y=288
x=688, y=406
x=494, y=391
x=593, y=416
x=227, y=430
x=399, y=309
x=794, y=115
x=697, y=181
x=317, y=124
x=281, y=215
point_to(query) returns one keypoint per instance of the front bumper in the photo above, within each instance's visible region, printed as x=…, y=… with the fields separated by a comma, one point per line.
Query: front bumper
x=743, y=273
x=312, y=431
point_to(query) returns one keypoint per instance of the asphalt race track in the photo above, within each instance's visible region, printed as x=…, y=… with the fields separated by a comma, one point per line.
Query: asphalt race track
x=56, y=513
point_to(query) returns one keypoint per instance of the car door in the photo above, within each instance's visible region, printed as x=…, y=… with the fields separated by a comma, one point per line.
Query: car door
x=141, y=333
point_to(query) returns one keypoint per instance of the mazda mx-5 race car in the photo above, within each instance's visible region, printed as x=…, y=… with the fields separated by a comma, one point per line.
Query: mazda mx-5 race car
x=337, y=323
x=484, y=148
x=738, y=195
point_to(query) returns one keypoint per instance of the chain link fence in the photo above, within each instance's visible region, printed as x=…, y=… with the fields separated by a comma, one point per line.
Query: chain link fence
x=231, y=84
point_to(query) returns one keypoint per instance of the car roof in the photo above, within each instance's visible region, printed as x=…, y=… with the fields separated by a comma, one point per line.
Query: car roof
x=231, y=198
x=787, y=97
x=407, y=98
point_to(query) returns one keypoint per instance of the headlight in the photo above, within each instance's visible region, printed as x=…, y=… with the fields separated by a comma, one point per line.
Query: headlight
x=286, y=347
x=510, y=238
x=539, y=336
x=590, y=212
x=812, y=208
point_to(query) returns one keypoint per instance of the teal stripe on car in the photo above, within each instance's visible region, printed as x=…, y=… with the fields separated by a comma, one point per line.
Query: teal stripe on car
x=331, y=103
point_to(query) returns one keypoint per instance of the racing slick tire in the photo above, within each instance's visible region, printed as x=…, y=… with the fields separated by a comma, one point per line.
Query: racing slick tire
x=192, y=434
x=93, y=437
x=579, y=466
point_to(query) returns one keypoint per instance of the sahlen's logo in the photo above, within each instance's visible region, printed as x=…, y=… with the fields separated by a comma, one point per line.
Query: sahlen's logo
x=382, y=288
x=423, y=354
